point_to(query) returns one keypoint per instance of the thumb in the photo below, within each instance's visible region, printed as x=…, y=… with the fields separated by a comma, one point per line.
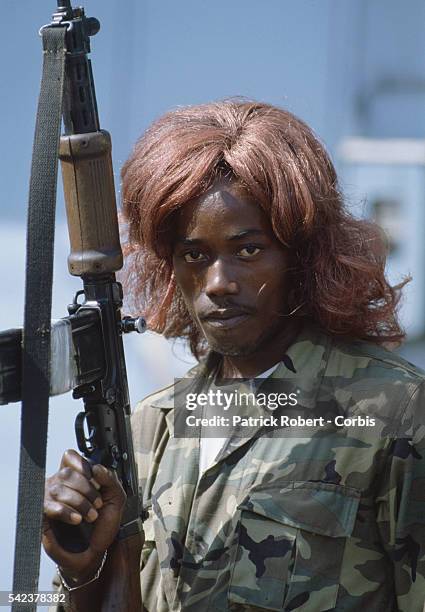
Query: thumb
x=108, y=481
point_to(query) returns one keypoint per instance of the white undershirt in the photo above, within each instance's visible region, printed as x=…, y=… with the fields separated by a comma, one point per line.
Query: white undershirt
x=210, y=447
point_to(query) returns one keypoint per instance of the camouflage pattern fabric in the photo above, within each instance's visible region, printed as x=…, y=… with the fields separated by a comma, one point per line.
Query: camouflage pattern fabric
x=330, y=521
x=333, y=521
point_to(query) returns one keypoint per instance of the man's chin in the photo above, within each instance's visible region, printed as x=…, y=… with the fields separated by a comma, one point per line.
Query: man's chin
x=231, y=350
x=229, y=347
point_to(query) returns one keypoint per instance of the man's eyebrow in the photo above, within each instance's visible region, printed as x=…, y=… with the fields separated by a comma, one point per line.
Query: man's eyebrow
x=188, y=241
x=242, y=234
x=246, y=234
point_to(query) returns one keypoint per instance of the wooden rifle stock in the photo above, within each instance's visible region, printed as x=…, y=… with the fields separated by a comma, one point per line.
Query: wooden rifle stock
x=122, y=577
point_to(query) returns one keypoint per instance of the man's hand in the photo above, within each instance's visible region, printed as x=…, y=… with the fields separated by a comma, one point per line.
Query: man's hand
x=76, y=493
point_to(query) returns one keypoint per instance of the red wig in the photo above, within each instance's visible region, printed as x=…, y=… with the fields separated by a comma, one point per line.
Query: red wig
x=338, y=261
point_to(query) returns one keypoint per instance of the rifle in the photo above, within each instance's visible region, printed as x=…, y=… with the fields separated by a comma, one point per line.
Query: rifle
x=94, y=324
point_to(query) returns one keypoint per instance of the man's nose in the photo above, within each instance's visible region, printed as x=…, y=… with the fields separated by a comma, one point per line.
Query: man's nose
x=220, y=280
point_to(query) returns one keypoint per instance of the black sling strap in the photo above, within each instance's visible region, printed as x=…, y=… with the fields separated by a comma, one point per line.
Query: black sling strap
x=38, y=300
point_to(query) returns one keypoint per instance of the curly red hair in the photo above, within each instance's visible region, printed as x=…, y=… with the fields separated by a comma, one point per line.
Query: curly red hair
x=338, y=277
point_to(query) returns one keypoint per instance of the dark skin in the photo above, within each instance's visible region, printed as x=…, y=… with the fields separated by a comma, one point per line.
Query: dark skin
x=232, y=272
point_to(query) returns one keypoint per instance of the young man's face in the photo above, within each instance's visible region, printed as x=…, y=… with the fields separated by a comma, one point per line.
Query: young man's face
x=231, y=268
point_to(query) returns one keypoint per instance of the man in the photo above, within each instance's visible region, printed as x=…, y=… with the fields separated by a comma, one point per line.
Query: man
x=239, y=242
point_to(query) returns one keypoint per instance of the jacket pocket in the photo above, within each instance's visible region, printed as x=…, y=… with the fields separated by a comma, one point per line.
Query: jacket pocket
x=291, y=541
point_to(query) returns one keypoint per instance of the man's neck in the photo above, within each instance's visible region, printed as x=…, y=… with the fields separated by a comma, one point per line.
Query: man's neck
x=268, y=354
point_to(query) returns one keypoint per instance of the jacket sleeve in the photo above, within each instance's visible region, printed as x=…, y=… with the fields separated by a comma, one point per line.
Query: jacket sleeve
x=401, y=506
x=150, y=434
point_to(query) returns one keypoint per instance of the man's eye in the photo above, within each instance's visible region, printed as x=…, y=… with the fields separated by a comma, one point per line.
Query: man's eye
x=249, y=251
x=191, y=256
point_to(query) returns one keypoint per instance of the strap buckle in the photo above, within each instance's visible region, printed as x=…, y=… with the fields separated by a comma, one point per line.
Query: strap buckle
x=58, y=24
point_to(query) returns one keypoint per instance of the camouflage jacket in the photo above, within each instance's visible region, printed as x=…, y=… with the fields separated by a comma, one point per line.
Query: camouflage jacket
x=332, y=521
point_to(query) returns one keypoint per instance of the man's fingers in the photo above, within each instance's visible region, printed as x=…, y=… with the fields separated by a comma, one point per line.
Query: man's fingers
x=78, y=482
x=95, y=483
x=98, y=485
x=112, y=490
x=105, y=477
x=71, y=459
x=82, y=492
x=73, y=499
x=60, y=512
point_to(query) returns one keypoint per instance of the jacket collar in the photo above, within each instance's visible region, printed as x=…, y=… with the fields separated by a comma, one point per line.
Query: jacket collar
x=304, y=362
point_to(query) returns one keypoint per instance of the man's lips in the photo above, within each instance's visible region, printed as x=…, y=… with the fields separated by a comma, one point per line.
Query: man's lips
x=225, y=318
